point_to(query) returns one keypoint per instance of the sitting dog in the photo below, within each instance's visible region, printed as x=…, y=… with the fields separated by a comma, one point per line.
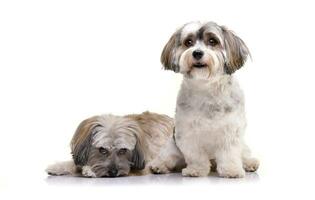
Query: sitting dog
x=111, y=146
x=210, y=115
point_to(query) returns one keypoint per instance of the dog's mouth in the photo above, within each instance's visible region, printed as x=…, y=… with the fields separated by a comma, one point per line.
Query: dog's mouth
x=113, y=176
x=199, y=65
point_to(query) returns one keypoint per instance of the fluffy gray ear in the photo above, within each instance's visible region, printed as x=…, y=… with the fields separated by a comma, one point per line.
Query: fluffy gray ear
x=82, y=141
x=236, y=51
x=138, y=157
x=168, y=54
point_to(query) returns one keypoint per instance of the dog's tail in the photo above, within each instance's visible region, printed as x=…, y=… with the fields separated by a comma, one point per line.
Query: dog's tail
x=63, y=168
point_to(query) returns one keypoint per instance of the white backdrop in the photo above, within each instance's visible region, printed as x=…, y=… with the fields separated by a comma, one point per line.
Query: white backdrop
x=62, y=61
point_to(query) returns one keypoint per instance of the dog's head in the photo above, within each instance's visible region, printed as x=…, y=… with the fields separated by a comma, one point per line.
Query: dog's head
x=204, y=50
x=110, y=145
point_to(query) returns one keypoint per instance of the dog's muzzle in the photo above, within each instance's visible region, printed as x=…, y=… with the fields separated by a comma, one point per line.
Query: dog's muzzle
x=197, y=55
x=113, y=172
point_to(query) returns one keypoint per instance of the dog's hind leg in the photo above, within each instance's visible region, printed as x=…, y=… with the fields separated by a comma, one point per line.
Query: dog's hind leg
x=250, y=164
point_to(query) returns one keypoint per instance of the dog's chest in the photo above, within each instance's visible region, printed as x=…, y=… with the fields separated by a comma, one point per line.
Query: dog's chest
x=209, y=116
x=206, y=105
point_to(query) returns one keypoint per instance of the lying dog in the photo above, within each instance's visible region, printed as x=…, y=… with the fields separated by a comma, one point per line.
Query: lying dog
x=210, y=112
x=111, y=146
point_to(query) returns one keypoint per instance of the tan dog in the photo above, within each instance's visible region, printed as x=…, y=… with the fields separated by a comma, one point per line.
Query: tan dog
x=111, y=146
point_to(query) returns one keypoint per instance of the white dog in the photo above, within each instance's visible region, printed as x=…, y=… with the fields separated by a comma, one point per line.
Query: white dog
x=210, y=117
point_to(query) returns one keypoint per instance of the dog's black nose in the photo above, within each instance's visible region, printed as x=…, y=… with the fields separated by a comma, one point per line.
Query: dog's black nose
x=113, y=172
x=197, y=54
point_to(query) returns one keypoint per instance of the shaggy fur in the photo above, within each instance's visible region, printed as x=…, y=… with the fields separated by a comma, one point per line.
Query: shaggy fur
x=110, y=146
x=210, y=116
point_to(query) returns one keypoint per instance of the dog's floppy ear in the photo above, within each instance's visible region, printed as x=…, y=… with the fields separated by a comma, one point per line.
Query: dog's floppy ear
x=236, y=51
x=82, y=140
x=138, y=157
x=168, y=54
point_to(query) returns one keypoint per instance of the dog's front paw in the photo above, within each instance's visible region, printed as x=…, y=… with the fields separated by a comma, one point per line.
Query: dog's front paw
x=192, y=172
x=56, y=170
x=157, y=166
x=231, y=172
x=251, y=164
x=87, y=172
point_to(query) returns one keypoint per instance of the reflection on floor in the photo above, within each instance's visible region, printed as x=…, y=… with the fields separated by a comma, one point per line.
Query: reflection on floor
x=171, y=179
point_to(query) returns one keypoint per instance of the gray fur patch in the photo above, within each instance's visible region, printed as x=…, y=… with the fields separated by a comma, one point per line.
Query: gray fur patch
x=212, y=110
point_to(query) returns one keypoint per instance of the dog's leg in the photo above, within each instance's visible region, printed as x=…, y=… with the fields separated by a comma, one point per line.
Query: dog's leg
x=62, y=168
x=250, y=164
x=229, y=161
x=169, y=159
x=198, y=162
x=87, y=172
x=197, y=167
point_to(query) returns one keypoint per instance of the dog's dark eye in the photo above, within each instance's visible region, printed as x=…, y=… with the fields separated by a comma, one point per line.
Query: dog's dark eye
x=213, y=42
x=122, y=151
x=189, y=42
x=103, y=151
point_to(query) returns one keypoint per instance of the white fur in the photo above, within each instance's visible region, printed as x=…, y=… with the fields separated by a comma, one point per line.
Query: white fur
x=191, y=27
x=211, y=137
x=201, y=137
x=62, y=168
x=87, y=172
